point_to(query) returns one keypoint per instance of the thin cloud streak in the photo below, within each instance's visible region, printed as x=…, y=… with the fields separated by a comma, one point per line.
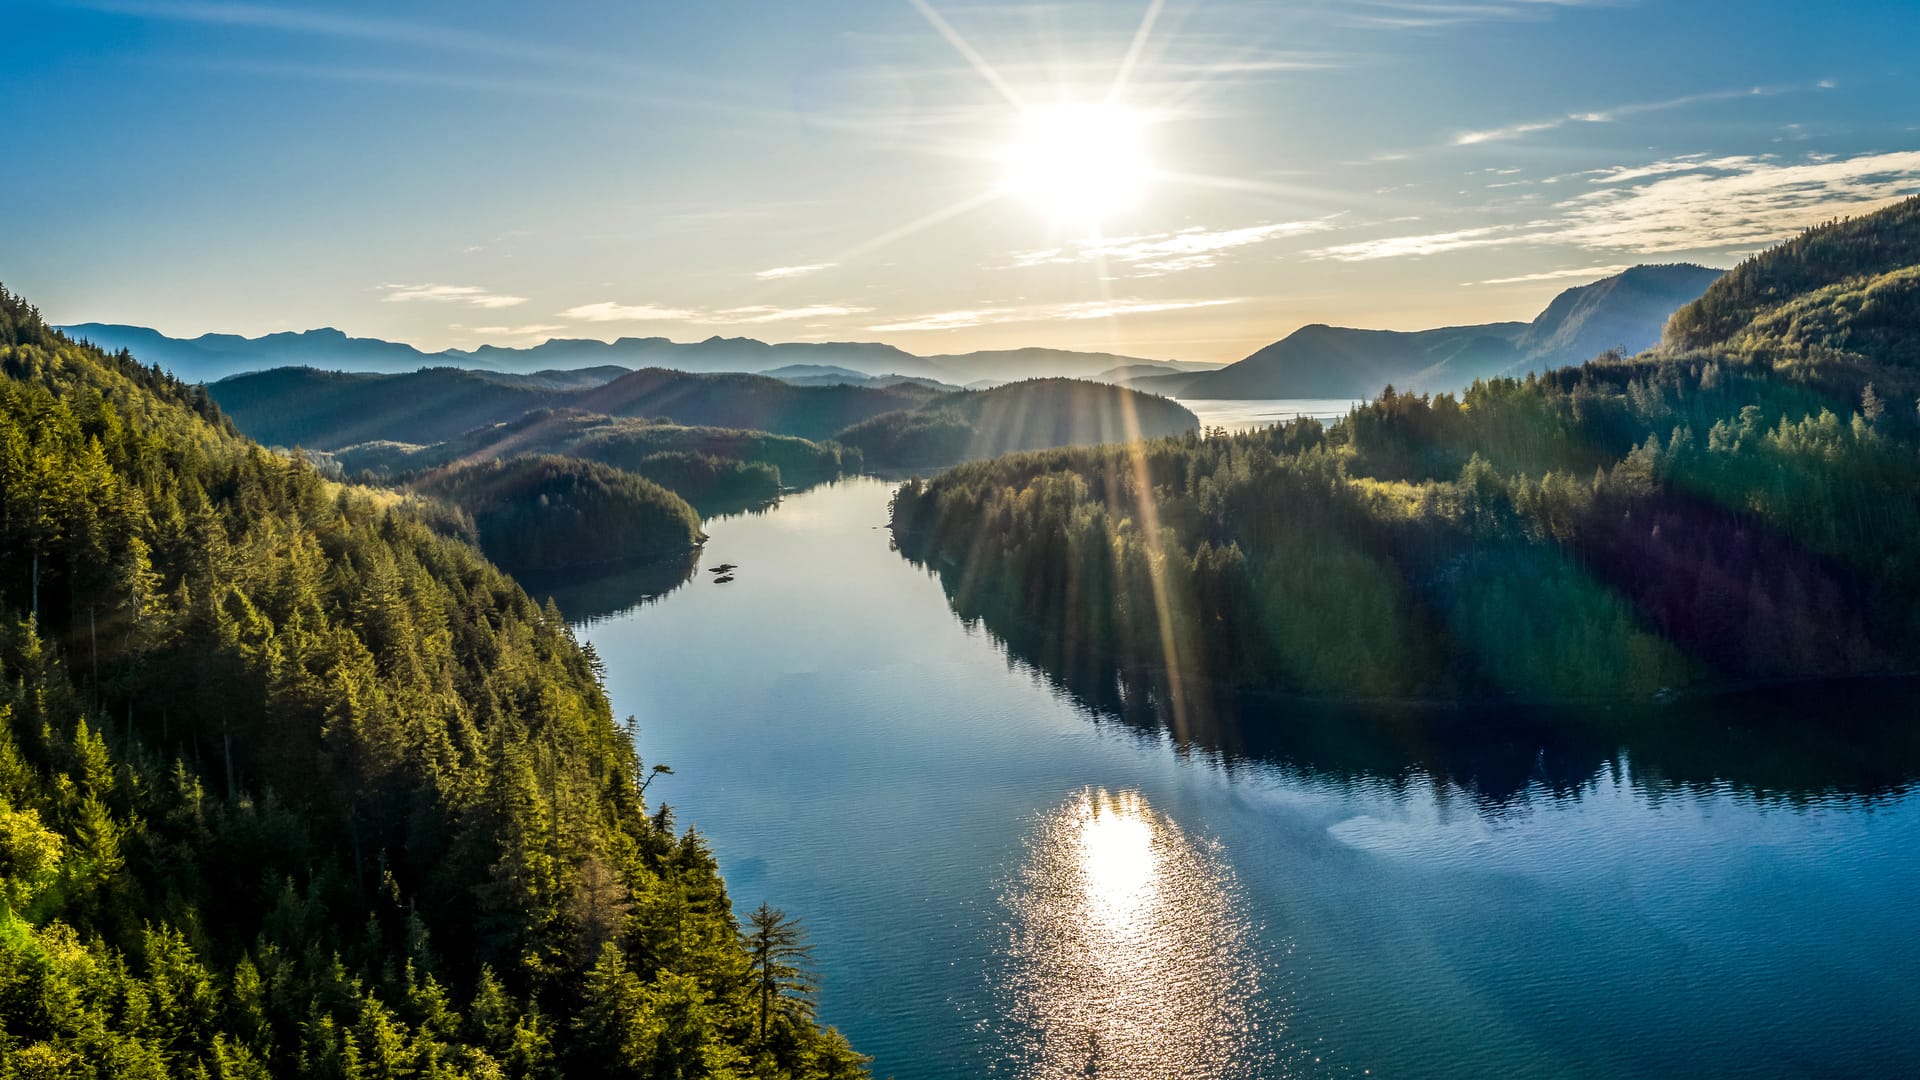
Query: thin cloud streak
x=611, y=311
x=472, y=295
x=1401, y=247
x=1193, y=248
x=1604, y=116
x=1437, y=14
x=776, y=273
x=1595, y=272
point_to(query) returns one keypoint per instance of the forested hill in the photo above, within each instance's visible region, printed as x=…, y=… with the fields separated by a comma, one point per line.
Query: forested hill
x=292, y=785
x=1848, y=291
x=901, y=425
x=1688, y=519
x=328, y=410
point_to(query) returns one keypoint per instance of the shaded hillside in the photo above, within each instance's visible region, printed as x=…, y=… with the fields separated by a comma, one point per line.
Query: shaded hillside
x=292, y=784
x=1626, y=311
x=1843, y=291
x=1033, y=415
x=746, y=401
x=621, y=443
x=545, y=512
x=1678, y=521
x=715, y=469
x=329, y=410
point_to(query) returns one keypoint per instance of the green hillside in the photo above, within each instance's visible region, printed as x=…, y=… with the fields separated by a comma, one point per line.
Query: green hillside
x=291, y=784
x=1844, y=291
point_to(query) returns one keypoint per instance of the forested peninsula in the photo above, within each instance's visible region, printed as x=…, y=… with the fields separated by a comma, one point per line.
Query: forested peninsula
x=1741, y=503
x=293, y=784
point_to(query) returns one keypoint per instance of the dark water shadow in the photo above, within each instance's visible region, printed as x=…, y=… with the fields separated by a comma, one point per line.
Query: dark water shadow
x=1797, y=743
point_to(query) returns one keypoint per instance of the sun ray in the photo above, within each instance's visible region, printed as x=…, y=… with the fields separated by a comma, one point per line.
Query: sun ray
x=966, y=50
x=1117, y=92
x=927, y=221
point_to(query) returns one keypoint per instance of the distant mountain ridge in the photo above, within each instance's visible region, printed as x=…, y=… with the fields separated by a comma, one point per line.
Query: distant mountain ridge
x=1628, y=311
x=211, y=357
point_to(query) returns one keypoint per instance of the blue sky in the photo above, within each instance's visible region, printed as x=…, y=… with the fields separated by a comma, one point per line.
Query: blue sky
x=452, y=174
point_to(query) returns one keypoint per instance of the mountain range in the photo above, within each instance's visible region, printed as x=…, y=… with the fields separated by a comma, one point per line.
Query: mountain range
x=211, y=357
x=1627, y=311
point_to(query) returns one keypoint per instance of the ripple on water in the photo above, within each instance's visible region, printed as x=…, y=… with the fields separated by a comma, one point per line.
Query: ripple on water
x=1129, y=953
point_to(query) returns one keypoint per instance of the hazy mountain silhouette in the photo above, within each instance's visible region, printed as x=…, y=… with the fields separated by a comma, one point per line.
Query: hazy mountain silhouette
x=211, y=357
x=832, y=375
x=1628, y=310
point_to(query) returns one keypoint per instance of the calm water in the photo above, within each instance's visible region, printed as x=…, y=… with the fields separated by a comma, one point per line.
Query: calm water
x=1003, y=883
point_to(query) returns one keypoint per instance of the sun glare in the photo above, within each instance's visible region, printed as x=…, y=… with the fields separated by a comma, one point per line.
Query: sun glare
x=1079, y=164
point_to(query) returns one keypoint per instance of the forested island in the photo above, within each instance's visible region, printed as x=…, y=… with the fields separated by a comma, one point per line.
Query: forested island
x=1738, y=505
x=292, y=783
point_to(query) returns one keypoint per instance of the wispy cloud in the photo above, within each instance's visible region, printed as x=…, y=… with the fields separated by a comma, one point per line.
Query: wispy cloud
x=764, y=314
x=610, y=311
x=1608, y=115
x=354, y=27
x=1555, y=275
x=1071, y=312
x=472, y=295
x=1692, y=203
x=777, y=272
x=1165, y=253
x=1431, y=14
x=1398, y=247
x=1728, y=202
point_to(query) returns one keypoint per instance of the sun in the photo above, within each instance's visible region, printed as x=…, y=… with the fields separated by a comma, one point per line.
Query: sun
x=1079, y=164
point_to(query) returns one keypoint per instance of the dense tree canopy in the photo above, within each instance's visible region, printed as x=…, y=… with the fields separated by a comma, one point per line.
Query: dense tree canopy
x=1849, y=255
x=293, y=784
x=544, y=512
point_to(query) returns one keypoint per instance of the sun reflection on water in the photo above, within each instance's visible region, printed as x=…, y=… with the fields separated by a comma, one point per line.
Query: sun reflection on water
x=1129, y=953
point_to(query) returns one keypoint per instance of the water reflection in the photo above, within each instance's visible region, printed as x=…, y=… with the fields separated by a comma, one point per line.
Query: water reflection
x=1794, y=744
x=1129, y=952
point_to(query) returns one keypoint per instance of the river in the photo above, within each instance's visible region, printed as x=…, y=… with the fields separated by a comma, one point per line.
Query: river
x=1001, y=881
